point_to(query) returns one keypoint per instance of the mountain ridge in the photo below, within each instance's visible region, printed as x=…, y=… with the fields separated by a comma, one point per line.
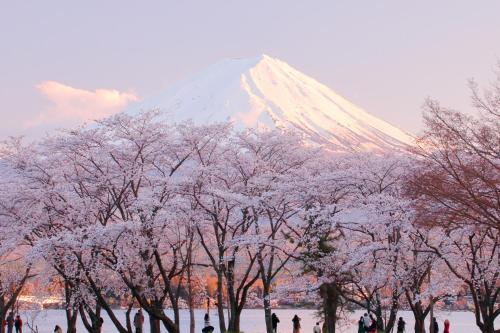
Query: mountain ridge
x=266, y=92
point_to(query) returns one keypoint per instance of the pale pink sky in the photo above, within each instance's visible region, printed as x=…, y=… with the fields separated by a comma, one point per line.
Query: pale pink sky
x=62, y=62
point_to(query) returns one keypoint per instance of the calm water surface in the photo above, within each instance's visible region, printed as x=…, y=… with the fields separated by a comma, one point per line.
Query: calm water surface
x=253, y=321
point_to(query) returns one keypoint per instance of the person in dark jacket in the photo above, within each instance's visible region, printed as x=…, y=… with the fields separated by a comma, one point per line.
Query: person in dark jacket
x=401, y=325
x=274, y=322
x=296, y=324
x=10, y=322
x=436, y=326
x=361, y=325
x=138, y=321
x=18, y=324
x=206, y=319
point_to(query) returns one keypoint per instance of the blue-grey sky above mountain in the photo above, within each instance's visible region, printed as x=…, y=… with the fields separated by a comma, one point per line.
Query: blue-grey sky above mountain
x=62, y=62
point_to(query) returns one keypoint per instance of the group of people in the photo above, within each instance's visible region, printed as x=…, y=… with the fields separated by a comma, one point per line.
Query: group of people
x=13, y=322
x=295, y=320
x=368, y=324
x=402, y=325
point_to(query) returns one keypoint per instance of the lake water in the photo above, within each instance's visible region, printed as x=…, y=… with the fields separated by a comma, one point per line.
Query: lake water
x=253, y=321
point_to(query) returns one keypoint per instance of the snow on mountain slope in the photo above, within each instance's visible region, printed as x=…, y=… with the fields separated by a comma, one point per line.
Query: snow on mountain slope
x=267, y=92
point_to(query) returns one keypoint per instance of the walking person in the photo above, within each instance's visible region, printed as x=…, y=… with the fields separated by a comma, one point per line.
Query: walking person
x=361, y=325
x=138, y=321
x=274, y=322
x=296, y=324
x=58, y=329
x=10, y=322
x=317, y=329
x=401, y=325
x=18, y=324
x=446, y=326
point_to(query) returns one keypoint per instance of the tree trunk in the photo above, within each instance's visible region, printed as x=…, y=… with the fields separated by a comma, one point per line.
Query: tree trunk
x=331, y=298
x=392, y=319
x=484, y=310
x=489, y=327
x=190, y=292
x=71, y=316
x=220, y=303
x=419, y=324
x=2, y=318
x=156, y=314
x=95, y=324
x=177, y=317
x=192, y=321
x=234, y=322
x=154, y=324
x=267, y=308
x=127, y=317
x=379, y=317
x=3, y=313
x=103, y=302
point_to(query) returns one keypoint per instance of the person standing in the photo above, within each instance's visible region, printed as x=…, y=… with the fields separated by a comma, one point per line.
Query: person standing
x=138, y=321
x=401, y=325
x=373, y=326
x=18, y=324
x=436, y=326
x=274, y=322
x=317, y=329
x=361, y=325
x=296, y=324
x=446, y=326
x=10, y=322
x=206, y=318
x=367, y=321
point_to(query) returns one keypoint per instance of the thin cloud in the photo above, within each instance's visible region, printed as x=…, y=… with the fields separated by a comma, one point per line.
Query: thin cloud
x=77, y=105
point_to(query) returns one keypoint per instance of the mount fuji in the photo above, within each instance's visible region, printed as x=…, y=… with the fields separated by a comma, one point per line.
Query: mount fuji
x=265, y=92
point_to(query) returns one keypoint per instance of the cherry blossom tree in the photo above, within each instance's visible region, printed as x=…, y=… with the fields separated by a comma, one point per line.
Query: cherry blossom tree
x=323, y=252
x=455, y=185
x=223, y=221
x=15, y=267
x=273, y=168
x=376, y=220
x=472, y=255
x=459, y=175
x=132, y=210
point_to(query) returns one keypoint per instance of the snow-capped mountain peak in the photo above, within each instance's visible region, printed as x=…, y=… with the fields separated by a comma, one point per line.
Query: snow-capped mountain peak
x=267, y=92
